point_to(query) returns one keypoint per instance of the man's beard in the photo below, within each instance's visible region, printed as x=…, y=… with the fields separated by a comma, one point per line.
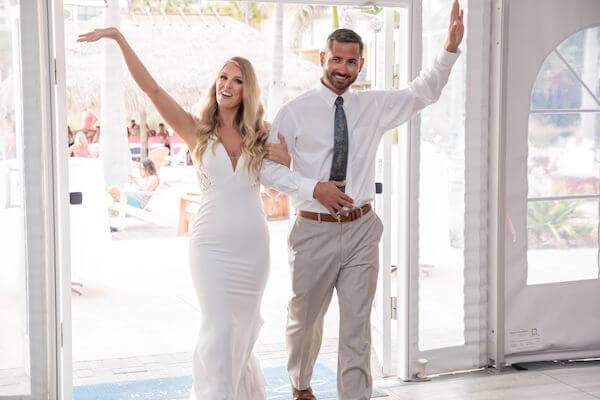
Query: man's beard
x=339, y=86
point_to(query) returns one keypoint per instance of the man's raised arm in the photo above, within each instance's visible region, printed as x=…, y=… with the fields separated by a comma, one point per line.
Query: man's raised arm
x=398, y=106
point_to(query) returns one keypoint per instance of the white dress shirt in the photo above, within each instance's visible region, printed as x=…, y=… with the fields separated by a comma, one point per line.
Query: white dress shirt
x=307, y=123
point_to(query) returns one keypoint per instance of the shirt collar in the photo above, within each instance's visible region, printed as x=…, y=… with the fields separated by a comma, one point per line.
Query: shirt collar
x=329, y=96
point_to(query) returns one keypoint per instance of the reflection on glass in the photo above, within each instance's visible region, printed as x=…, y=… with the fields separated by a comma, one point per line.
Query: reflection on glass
x=557, y=87
x=441, y=196
x=14, y=337
x=564, y=160
x=581, y=51
x=563, y=240
x=562, y=157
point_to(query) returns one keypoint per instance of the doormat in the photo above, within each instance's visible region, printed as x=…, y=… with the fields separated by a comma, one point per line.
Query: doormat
x=178, y=387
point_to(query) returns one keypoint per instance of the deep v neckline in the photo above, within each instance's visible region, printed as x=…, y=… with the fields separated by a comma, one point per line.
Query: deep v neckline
x=231, y=163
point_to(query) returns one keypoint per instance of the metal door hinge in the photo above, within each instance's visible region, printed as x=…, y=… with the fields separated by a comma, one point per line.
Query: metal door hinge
x=396, y=76
x=394, y=307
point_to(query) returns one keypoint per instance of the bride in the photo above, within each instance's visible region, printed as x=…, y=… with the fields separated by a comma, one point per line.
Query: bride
x=229, y=246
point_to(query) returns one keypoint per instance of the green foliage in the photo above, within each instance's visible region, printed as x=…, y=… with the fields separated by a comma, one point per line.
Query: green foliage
x=558, y=223
x=335, y=20
x=258, y=12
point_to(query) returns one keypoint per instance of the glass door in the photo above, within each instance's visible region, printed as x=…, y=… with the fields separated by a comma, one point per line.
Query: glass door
x=447, y=295
x=390, y=60
x=28, y=339
x=110, y=278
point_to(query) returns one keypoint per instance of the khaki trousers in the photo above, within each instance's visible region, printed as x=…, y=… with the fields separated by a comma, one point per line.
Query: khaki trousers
x=324, y=256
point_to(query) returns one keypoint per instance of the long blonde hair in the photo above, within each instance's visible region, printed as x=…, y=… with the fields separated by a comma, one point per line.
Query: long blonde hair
x=249, y=119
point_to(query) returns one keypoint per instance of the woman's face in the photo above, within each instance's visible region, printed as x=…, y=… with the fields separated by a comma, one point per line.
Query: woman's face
x=229, y=86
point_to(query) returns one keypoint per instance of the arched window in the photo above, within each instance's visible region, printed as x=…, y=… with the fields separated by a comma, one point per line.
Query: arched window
x=564, y=163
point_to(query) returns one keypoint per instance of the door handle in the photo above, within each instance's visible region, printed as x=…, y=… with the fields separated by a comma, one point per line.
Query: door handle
x=75, y=198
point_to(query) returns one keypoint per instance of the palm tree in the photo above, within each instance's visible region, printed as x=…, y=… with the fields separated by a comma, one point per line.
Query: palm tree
x=556, y=223
x=276, y=84
x=303, y=21
x=251, y=13
x=335, y=21
x=114, y=148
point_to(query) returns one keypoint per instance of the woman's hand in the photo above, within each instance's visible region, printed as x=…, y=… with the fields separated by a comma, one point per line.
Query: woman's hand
x=97, y=34
x=278, y=152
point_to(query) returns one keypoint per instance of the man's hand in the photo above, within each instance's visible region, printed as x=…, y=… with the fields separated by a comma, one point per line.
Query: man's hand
x=456, y=30
x=332, y=198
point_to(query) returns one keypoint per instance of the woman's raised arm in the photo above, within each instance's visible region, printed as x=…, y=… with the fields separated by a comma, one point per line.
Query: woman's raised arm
x=180, y=120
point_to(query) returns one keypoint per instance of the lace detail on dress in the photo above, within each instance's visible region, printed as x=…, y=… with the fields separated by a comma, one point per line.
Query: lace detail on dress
x=206, y=182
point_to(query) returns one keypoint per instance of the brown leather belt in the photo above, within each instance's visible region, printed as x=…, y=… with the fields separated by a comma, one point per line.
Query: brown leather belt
x=324, y=217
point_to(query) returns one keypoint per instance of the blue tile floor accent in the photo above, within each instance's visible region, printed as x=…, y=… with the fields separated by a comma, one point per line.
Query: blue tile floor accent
x=178, y=387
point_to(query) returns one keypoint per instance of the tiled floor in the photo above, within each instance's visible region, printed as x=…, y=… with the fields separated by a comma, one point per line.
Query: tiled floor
x=546, y=381
x=177, y=364
x=540, y=381
x=129, y=279
x=560, y=381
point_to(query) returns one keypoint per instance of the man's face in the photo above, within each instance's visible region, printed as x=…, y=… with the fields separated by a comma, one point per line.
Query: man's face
x=341, y=65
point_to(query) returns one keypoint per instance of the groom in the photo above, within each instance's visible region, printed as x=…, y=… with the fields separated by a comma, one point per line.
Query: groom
x=332, y=133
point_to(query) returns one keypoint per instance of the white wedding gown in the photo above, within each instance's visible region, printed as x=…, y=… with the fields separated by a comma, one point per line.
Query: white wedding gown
x=229, y=261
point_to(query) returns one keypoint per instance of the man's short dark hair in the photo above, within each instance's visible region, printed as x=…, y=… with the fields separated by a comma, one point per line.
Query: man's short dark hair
x=343, y=35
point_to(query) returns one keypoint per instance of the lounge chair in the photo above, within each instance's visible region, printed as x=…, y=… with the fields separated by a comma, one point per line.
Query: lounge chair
x=145, y=214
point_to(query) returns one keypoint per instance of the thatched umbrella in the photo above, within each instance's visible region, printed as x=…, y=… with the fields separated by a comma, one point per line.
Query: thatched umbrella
x=184, y=57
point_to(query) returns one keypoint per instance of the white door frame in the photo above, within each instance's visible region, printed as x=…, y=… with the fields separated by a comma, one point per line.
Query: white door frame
x=497, y=185
x=61, y=203
x=35, y=158
x=473, y=353
x=61, y=181
x=385, y=308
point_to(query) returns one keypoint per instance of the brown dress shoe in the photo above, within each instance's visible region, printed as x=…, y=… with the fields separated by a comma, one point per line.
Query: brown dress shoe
x=305, y=394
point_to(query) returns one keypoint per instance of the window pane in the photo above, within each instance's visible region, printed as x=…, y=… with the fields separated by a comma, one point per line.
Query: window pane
x=557, y=87
x=582, y=51
x=563, y=240
x=441, y=196
x=563, y=156
x=14, y=335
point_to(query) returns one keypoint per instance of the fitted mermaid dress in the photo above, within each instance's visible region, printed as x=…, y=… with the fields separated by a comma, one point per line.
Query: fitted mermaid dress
x=229, y=262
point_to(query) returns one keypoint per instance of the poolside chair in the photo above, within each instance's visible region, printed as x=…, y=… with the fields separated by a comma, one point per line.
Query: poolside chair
x=145, y=214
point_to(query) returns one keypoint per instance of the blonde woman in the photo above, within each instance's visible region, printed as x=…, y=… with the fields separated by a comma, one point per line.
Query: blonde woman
x=229, y=246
